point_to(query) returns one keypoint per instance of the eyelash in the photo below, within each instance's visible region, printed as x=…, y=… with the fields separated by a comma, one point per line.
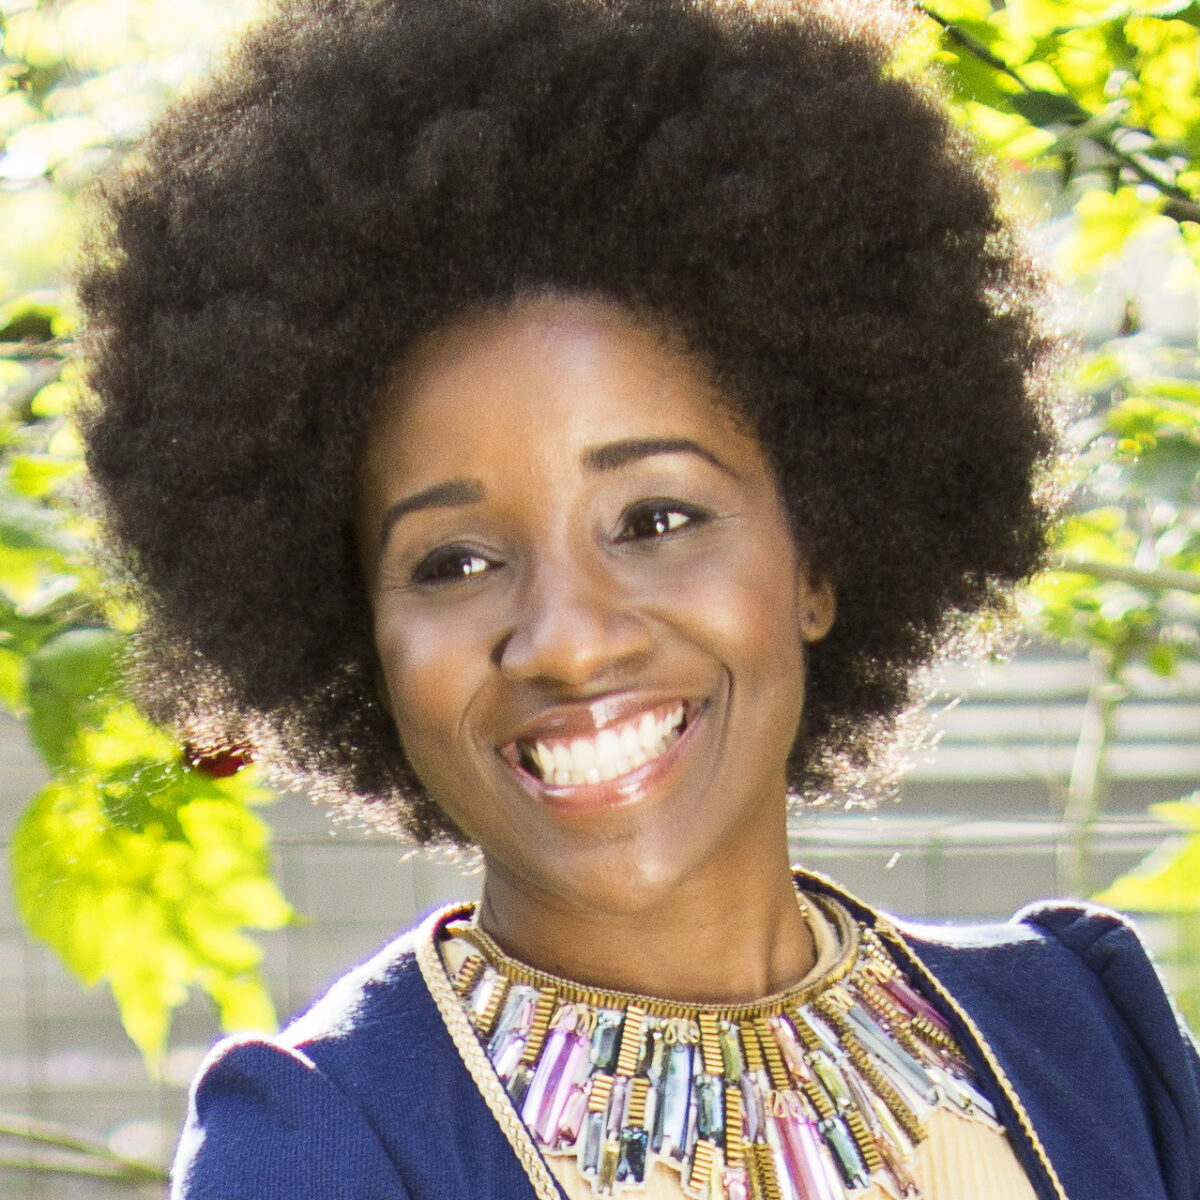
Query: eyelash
x=431, y=571
x=660, y=513
x=455, y=564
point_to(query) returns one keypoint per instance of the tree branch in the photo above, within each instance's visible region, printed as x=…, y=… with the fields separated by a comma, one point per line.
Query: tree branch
x=1161, y=579
x=126, y=1172
x=61, y=347
x=1182, y=210
x=1179, y=205
x=95, y=1156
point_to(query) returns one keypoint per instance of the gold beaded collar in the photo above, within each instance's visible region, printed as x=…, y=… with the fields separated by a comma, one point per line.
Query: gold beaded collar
x=843, y=928
x=810, y=1094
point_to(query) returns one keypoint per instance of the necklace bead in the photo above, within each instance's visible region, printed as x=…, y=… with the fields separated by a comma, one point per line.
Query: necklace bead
x=813, y=1094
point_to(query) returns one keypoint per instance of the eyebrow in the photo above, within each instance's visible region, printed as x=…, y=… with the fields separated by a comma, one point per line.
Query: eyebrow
x=451, y=494
x=454, y=493
x=614, y=455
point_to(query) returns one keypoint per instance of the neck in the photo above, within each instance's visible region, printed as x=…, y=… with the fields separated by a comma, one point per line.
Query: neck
x=721, y=936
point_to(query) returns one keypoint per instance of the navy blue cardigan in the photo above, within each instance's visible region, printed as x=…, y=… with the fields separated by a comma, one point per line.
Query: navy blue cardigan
x=367, y=1098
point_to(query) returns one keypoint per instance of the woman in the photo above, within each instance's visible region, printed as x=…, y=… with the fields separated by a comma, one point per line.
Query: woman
x=562, y=427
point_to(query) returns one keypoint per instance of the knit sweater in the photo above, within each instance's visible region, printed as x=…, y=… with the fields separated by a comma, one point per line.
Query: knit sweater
x=379, y=1092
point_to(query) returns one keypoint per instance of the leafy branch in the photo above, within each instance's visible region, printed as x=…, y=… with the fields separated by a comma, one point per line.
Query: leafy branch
x=1050, y=109
x=142, y=865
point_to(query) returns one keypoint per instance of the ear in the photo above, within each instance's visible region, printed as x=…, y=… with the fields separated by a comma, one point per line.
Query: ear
x=817, y=605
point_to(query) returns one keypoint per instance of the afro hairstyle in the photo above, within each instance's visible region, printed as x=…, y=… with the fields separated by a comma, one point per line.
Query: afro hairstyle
x=757, y=177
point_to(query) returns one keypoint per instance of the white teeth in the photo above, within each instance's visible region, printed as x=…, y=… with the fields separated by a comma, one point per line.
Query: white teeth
x=631, y=747
x=630, y=742
x=583, y=755
x=671, y=722
x=608, y=749
x=609, y=754
x=648, y=732
x=564, y=764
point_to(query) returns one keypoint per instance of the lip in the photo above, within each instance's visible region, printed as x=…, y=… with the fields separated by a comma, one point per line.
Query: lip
x=591, y=797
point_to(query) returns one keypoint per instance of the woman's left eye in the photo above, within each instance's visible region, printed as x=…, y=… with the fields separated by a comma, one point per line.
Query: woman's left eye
x=658, y=518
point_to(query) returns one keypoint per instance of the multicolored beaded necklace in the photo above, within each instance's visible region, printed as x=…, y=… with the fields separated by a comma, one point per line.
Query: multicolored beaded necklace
x=813, y=1094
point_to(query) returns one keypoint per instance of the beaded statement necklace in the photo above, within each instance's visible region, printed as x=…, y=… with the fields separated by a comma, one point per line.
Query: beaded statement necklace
x=816, y=1093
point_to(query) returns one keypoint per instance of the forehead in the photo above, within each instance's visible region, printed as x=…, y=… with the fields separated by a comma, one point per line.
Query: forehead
x=571, y=371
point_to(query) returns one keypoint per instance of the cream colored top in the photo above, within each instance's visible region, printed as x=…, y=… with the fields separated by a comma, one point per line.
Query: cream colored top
x=960, y=1159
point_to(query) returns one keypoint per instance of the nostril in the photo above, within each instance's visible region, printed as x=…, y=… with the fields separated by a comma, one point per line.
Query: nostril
x=569, y=634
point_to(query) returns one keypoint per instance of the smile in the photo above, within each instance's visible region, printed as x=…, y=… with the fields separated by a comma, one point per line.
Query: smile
x=609, y=753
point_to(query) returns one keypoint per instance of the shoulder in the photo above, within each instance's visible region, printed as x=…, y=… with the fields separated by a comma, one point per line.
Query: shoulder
x=264, y=1121
x=280, y=1117
x=1070, y=1002
x=1064, y=1018
x=1054, y=947
x=1056, y=961
x=364, y=1097
x=386, y=987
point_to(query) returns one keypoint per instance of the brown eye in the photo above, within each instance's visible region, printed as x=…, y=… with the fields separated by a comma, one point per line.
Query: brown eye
x=658, y=518
x=450, y=564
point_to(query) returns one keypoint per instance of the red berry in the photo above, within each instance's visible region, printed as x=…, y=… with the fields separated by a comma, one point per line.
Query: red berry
x=219, y=763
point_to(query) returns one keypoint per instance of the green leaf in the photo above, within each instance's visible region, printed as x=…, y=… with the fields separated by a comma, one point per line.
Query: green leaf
x=67, y=679
x=1104, y=224
x=25, y=525
x=158, y=905
x=1162, y=659
x=31, y=316
x=1048, y=108
x=1168, y=880
x=244, y=1003
x=1170, y=8
x=12, y=678
x=1164, y=883
x=140, y=793
x=1179, y=10
x=36, y=476
x=1184, y=812
x=976, y=81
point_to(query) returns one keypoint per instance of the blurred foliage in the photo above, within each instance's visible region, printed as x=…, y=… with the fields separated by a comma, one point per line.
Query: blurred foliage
x=141, y=865
x=1168, y=882
x=1098, y=101
x=145, y=871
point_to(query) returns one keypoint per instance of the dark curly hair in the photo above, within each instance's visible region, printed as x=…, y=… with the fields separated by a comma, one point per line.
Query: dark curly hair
x=755, y=176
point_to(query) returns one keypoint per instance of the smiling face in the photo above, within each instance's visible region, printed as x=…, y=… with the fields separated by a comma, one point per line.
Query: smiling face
x=590, y=612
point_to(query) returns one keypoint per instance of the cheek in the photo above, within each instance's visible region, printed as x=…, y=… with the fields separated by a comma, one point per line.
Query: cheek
x=427, y=674
x=754, y=602
x=759, y=619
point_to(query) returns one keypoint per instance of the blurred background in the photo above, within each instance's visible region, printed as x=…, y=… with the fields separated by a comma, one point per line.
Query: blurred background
x=155, y=896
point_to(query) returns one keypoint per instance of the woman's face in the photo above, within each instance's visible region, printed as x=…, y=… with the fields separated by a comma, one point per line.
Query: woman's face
x=589, y=609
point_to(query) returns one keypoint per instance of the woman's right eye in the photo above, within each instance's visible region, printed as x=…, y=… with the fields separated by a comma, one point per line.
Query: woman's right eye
x=450, y=564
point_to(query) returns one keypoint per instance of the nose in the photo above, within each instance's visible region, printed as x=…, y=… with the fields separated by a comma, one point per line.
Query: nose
x=573, y=624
